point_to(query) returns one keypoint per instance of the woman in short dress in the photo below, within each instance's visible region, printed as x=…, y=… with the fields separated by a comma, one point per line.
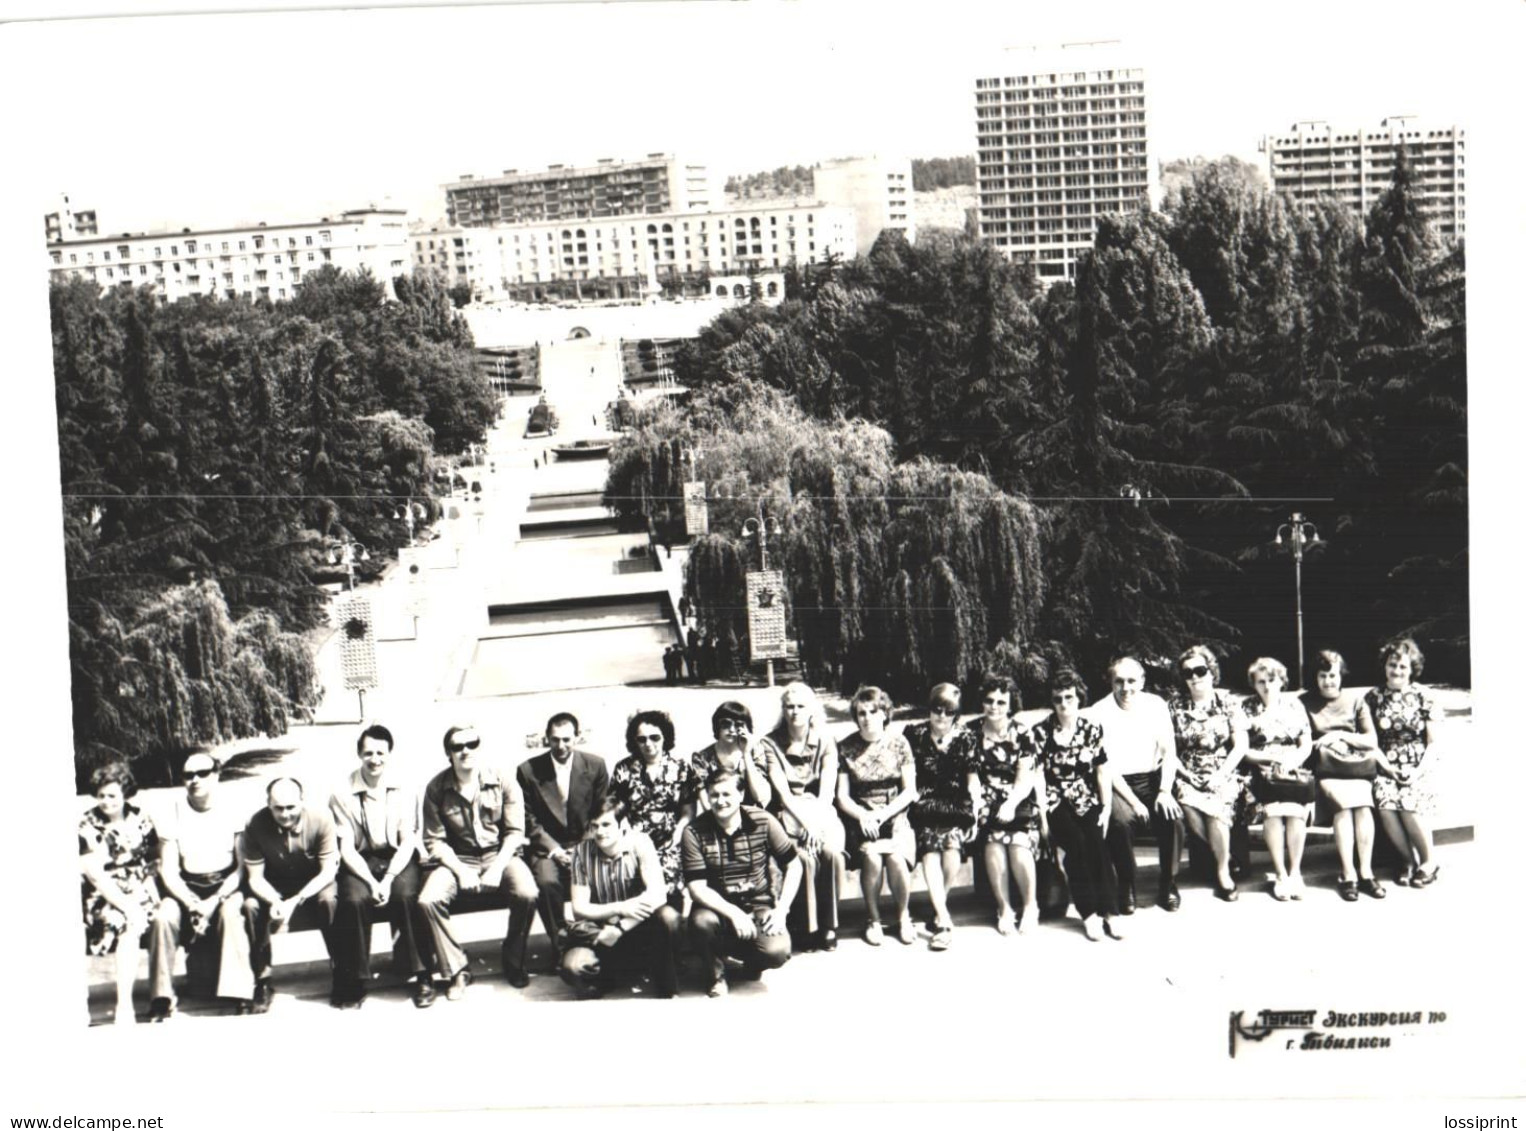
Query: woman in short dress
x=945, y=779
x=876, y=784
x=1335, y=721
x=1011, y=817
x=1401, y=713
x=1277, y=728
x=654, y=785
x=119, y=851
x=802, y=768
x=1210, y=742
x=1079, y=793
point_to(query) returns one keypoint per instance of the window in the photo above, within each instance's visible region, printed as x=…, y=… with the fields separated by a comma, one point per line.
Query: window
x=326, y=236
x=123, y=251
x=309, y=244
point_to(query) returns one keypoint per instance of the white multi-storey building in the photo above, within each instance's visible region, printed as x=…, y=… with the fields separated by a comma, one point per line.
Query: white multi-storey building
x=626, y=257
x=1314, y=160
x=1062, y=139
x=255, y=261
x=878, y=190
x=659, y=183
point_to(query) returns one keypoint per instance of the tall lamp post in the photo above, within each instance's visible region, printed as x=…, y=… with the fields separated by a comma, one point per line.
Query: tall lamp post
x=1300, y=532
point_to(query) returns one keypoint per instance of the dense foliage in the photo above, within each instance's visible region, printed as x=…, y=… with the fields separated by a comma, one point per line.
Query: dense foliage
x=1211, y=369
x=210, y=452
x=929, y=173
x=785, y=181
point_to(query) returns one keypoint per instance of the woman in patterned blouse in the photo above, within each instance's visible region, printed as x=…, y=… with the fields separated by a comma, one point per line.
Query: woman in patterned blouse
x=1277, y=727
x=1402, y=714
x=654, y=784
x=119, y=850
x=1078, y=786
x=876, y=784
x=1210, y=742
x=945, y=780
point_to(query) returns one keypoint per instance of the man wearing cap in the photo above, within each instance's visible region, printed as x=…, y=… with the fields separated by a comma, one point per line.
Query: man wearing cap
x=474, y=839
x=562, y=787
x=1141, y=758
x=291, y=860
x=376, y=819
x=202, y=909
x=726, y=851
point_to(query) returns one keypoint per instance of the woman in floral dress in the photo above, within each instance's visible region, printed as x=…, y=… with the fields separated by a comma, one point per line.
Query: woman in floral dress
x=1011, y=818
x=1079, y=792
x=946, y=781
x=119, y=850
x=876, y=784
x=654, y=784
x=1402, y=714
x=802, y=768
x=1277, y=727
x=1210, y=742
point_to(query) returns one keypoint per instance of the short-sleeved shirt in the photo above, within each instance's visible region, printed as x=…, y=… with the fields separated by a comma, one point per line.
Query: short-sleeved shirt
x=375, y=820
x=1339, y=714
x=654, y=795
x=292, y=856
x=611, y=879
x=875, y=768
x=704, y=762
x=942, y=772
x=1283, y=724
x=1134, y=739
x=735, y=865
x=803, y=768
x=475, y=827
x=206, y=838
x=1070, y=767
x=1205, y=731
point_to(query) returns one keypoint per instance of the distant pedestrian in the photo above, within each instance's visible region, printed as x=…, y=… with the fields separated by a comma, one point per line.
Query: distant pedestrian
x=672, y=661
x=691, y=655
x=709, y=658
x=685, y=607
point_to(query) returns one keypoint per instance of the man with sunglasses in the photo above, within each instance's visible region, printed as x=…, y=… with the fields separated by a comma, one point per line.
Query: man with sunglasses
x=562, y=787
x=1141, y=760
x=474, y=839
x=202, y=910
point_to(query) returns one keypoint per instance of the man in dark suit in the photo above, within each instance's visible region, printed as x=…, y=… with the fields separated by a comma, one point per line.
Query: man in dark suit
x=563, y=788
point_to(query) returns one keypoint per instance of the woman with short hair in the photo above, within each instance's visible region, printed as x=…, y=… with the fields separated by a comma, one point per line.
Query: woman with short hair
x=654, y=785
x=1277, y=729
x=1402, y=714
x=1210, y=742
x=119, y=853
x=948, y=797
x=1342, y=730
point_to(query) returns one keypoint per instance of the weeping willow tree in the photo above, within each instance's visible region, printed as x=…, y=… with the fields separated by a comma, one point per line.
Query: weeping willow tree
x=900, y=574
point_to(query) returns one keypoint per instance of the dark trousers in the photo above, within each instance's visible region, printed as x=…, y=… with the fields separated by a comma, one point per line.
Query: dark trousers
x=1088, y=866
x=714, y=940
x=315, y=912
x=352, y=923
x=1122, y=827
x=553, y=880
x=651, y=945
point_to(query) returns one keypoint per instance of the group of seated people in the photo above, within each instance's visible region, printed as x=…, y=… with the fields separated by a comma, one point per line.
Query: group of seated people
x=754, y=833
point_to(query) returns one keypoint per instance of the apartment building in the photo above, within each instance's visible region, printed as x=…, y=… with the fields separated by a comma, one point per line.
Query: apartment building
x=878, y=189
x=1062, y=139
x=68, y=224
x=629, y=257
x=253, y=261
x=660, y=183
x=1314, y=160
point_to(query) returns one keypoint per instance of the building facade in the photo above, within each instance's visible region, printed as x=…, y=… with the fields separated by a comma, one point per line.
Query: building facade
x=658, y=184
x=68, y=224
x=260, y=261
x=1314, y=161
x=1061, y=140
x=877, y=189
x=630, y=257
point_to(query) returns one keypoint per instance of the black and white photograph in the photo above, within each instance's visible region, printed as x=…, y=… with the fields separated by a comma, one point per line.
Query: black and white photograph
x=760, y=561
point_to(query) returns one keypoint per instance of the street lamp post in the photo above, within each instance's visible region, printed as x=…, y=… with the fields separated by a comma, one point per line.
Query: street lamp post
x=1300, y=533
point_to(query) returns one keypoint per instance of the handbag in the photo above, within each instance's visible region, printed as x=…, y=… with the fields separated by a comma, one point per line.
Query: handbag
x=933, y=812
x=1274, y=783
x=1332, y=764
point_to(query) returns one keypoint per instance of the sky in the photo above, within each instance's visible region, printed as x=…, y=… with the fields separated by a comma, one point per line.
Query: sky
x=164, y=122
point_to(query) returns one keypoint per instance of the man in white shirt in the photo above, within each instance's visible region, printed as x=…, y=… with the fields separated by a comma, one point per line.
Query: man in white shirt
x=1141, y=759
x=202, y=910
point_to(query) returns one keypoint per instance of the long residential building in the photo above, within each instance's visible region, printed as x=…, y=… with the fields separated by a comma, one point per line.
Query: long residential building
x=1062, y=139
x=254, y=261
x=1312, y=161
x=628, y=257
x=660, y=183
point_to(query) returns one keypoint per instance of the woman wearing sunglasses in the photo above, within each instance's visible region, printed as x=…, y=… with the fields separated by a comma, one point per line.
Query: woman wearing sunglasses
x=653, y=783
x=802, y=768
x=1011, y=817
x=948, y=797
x=733, y=749
x=876, y=784
x=1210, y=743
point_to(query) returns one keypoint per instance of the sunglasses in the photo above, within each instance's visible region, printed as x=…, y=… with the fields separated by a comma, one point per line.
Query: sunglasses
x=996, y=700
x=649, y=738
x=457, y=747
x=1195, y=673
x=736, y=726
x=190, y=774
x=942, y=710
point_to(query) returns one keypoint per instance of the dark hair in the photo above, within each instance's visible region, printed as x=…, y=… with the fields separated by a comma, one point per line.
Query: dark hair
x=1066, y=679
x=720, y=774
x=1327, y=660
x=561, y=717
x=1403, y=646
x=1203, y=652
x=376, y=731
x=451, y=734
x=871, y=696
x=114, y=773
x=730, y=712
x=1002, y=683
x=277, y=781
x=658, y=719
x=611, y=803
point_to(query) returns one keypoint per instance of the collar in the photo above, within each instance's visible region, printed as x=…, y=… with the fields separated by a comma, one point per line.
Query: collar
x=746, y=822
x=358, y=784
x=487, y=778
x=296, y=830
